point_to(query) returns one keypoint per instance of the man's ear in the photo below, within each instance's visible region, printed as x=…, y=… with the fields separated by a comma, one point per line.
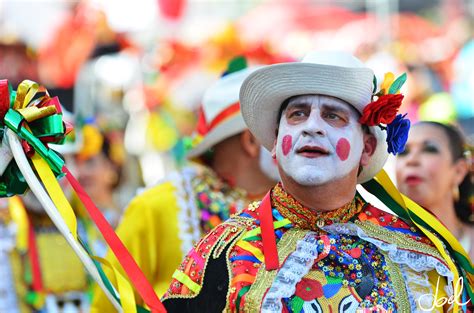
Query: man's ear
x=370, y=143
x=274, y=154
x=250, y=144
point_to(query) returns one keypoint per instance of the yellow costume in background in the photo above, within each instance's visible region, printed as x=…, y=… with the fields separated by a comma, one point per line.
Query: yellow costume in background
x=164, y=222
x=62, y=277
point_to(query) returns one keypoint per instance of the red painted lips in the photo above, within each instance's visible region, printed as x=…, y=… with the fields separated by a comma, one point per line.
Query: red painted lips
x=310, y=151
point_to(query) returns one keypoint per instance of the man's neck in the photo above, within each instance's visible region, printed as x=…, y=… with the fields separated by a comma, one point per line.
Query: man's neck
x=326, y=197
x=250, y=180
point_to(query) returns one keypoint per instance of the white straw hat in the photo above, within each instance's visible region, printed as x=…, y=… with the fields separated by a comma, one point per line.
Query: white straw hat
x=220, y=112
x=336, y=74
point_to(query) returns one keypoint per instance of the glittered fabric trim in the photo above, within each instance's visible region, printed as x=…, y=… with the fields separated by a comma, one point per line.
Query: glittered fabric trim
x=307, y=218
x=396, y=277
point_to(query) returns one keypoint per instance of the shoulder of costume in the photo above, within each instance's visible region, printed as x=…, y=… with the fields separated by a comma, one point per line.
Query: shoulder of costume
x=170, y=184
x=387, y=227
x=189, y=277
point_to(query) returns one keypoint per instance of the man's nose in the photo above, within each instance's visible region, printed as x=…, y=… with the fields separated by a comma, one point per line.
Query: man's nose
x=314, y=125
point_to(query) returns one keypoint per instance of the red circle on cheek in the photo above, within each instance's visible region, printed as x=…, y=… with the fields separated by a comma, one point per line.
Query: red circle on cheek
x=286, y=144
x=343, y=147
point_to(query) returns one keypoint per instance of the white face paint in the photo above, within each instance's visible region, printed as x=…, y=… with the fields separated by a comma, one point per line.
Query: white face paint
x=319, y=139
x=268, y=165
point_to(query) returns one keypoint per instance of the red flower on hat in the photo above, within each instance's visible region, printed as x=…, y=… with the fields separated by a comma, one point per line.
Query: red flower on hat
x=383, y=110
x=308, y=289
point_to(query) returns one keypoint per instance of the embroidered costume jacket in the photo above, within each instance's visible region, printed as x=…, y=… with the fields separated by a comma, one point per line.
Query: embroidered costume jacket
x=354, y=258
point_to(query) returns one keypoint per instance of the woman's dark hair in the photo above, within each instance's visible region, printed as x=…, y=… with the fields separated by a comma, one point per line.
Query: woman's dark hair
x=458, y=149
x=107, y=150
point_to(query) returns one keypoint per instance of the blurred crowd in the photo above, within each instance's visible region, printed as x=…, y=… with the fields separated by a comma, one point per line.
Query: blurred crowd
x=135, y=102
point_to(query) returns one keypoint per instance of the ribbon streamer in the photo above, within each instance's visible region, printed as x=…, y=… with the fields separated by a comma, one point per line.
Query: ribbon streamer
x=52, y=211
x=38, y=122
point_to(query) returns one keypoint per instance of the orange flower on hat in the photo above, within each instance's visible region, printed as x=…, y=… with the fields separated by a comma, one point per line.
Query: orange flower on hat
x=383, y=110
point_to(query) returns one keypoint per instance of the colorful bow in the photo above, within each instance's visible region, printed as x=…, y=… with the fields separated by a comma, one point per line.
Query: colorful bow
x=37, y=121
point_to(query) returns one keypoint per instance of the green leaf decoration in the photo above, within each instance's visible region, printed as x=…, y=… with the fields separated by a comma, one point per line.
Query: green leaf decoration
x=397, y=84
x=236, y=64
x=375, y=84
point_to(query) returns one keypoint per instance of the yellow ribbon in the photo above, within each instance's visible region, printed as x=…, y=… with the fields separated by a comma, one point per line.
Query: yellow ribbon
x=127, y=297
x=20, y=218
x=25, y=92
x=258, y=230
x=187, y=281
x=408, y=204
x=250, y=248
x=34, y=113
x=55, y=192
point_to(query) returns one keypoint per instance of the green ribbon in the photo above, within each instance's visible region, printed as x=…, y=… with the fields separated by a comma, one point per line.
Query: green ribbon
x=241, y=293
x=105, y=279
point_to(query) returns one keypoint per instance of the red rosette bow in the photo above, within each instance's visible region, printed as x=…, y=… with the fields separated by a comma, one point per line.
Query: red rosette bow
x=383, y=110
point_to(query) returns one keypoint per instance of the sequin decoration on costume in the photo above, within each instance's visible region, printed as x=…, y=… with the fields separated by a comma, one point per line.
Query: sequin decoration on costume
x=216, y=200
x=306, y=218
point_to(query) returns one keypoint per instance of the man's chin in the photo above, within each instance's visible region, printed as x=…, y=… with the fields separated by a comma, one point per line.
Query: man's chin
x=303, y=178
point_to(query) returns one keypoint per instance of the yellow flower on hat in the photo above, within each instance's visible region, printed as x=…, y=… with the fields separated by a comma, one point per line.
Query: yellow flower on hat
x=387, y=82
x=92, y=142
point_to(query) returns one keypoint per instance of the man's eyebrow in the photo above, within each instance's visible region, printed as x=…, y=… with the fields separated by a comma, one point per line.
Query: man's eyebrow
x=298, y=103
x=348, y=109
x=336, y=108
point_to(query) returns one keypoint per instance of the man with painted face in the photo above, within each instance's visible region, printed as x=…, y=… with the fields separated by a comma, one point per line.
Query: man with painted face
x=161, y=225
x=314, y=244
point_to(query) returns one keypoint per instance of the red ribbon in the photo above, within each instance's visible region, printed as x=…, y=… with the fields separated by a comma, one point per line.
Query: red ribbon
x=204, y=128
x=4, y=98
x=134, y=273
x=37, y=280
x=270, y=251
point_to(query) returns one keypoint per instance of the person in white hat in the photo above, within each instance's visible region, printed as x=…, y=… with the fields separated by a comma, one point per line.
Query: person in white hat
x=313, y=244
x=161, y=225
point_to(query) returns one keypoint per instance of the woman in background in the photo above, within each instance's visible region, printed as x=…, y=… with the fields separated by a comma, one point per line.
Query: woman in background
x=434, y=171
x=99, y=166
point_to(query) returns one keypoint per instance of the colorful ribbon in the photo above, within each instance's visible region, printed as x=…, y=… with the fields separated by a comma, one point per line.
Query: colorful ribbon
x=38, y=122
